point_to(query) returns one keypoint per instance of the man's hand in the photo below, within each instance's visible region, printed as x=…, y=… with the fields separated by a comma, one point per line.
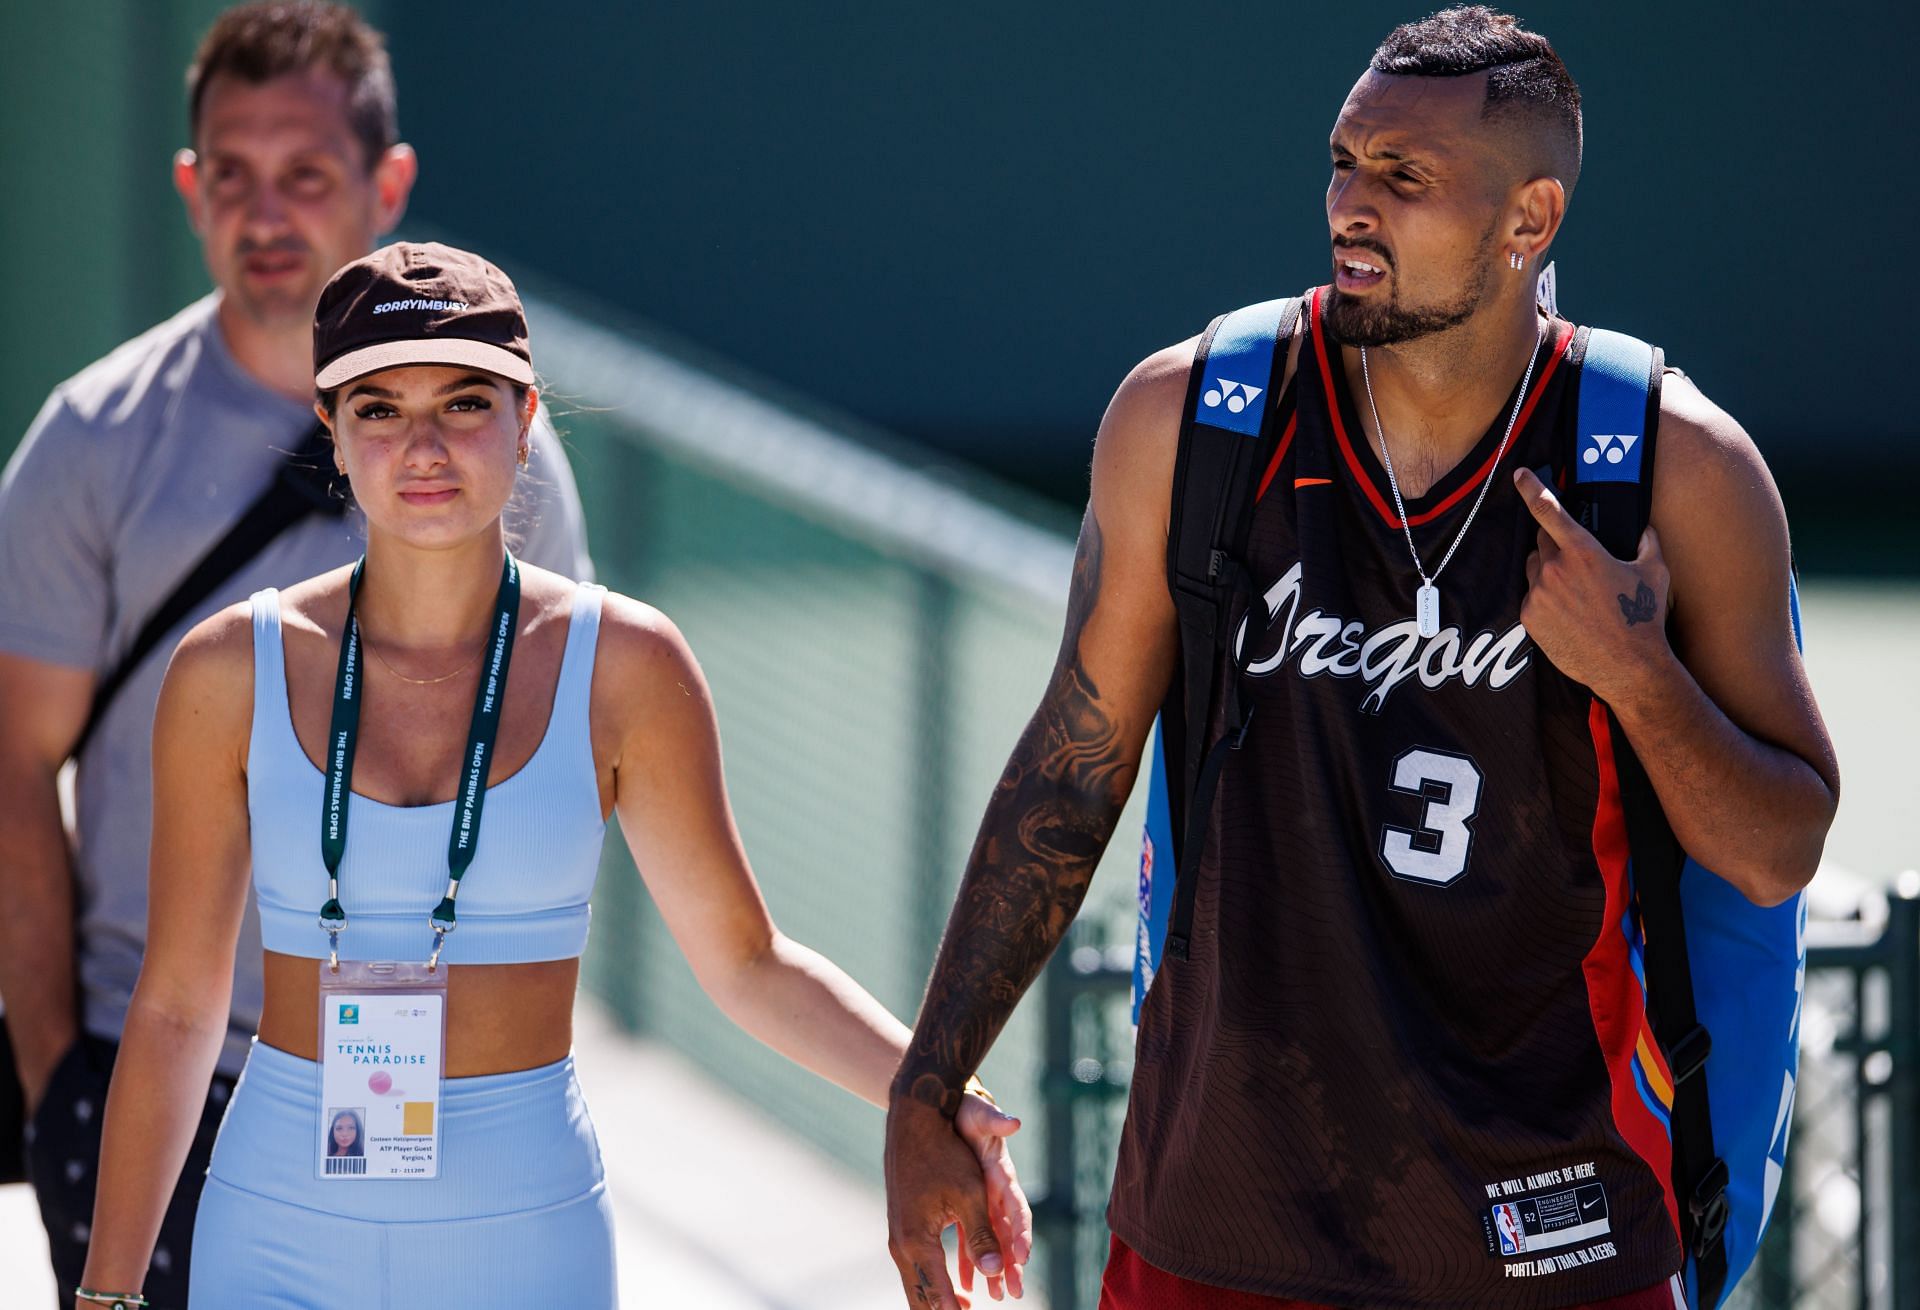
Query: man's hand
x=934, y=1179
x=1600, y=620
x=986, y=1128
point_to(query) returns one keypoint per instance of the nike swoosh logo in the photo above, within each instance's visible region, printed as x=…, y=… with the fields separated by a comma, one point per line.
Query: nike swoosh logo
x=1312, y=482
x=1590, y=1204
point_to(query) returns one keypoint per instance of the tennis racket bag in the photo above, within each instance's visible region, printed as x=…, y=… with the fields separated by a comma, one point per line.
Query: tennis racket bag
x=1722, y=976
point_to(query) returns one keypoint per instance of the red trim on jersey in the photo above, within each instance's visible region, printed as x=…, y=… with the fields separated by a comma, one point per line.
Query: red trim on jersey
x=1392, y=519
x=1280, y=453
x=1614, y=993
x=1133, y=1284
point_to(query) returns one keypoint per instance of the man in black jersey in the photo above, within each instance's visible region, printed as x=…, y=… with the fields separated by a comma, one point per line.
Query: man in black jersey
x=1367, y=1036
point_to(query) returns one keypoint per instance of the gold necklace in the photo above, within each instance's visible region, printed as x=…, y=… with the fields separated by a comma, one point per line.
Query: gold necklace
x=419, y=682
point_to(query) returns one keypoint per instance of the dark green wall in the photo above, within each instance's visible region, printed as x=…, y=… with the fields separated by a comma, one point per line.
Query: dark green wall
x=966, y=222
x=94, y=245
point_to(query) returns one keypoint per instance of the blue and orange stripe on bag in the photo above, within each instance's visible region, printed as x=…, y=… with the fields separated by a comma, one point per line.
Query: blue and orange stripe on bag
x=1642, y=1084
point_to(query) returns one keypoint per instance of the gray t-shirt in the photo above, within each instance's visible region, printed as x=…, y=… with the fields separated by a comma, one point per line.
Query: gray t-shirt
x=133, y=470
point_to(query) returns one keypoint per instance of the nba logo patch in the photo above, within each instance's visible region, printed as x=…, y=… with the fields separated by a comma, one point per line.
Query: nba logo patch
x=349, y=1014
x=1506, y=1223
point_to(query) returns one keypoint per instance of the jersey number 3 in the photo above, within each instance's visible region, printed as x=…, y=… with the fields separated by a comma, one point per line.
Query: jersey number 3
x=1435, y=852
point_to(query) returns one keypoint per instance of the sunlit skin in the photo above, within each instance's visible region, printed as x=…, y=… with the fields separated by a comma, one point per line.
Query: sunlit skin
x=281, y=193
x=1421, y=189
x=431, y=451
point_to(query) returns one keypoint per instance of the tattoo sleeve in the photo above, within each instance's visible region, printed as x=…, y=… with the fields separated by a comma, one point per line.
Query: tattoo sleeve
x=1044, y=831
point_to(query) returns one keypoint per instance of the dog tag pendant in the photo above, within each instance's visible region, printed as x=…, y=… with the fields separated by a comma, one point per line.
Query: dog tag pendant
x=1427, y=610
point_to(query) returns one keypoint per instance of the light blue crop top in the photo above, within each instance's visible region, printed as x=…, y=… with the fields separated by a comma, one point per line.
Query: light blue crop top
x=524, y=898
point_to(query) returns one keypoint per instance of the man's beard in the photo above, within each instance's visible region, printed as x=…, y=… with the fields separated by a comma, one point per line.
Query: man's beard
x=1365, y=323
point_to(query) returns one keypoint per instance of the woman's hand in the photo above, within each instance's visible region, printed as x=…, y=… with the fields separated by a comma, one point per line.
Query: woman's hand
x=986, y=1128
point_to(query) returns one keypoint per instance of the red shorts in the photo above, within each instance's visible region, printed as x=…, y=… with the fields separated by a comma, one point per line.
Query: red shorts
x=1133, y=1284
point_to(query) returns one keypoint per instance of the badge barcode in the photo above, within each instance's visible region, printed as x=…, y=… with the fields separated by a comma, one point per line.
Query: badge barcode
x=346, y=1164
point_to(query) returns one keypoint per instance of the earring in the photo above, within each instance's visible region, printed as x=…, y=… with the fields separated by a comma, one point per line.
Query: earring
x=1516, y=260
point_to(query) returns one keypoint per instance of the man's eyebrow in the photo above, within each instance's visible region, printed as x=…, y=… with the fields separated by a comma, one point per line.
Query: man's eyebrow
x=1334, y=147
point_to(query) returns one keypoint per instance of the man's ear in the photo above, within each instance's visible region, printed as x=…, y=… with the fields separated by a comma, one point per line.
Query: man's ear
x=1538, y=208
x=394, y=174
x=186, y=181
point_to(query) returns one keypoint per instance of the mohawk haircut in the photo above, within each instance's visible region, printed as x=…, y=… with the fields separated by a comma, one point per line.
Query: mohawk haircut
x=1528, y=85
x=259, y=42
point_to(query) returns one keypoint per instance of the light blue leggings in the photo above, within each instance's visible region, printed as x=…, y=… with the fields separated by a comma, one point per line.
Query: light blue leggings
x=518, y=1216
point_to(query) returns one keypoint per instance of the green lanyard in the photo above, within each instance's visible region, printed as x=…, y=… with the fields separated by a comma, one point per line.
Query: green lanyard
x=472, y=796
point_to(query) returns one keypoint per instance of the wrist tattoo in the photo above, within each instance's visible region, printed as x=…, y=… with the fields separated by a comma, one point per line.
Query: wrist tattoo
x=1640, y=608
x=929, y=1090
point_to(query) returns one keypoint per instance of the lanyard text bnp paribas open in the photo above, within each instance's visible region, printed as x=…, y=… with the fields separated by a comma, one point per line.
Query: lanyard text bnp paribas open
x=383, y=1022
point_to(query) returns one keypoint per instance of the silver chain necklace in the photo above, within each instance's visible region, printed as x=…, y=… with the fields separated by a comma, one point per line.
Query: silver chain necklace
x=1426, y=610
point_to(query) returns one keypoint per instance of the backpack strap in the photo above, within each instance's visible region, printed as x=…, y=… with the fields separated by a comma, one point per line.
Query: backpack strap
x=1610, y=490
x=1226, y=428
x=302, y=485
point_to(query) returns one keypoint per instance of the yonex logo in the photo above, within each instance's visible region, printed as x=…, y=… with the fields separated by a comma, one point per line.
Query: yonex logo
x=1235, y=395
x=1613, y=448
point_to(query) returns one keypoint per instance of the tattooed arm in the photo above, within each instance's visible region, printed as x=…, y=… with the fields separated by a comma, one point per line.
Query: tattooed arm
x=1722, y=716
x=1047, y=823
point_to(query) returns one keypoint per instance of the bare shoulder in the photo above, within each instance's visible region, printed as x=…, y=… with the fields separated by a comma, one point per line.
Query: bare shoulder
x=208, y=691
x=316, y=607
x=1142, y=421
x=1140, y=434
x=650, y=702
x=546, y=601
x=1133, y=456
x=643, y=662
x=1721, y=525
x=1705, y=457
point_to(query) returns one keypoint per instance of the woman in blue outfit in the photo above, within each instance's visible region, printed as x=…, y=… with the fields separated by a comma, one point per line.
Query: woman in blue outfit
x=414, y=759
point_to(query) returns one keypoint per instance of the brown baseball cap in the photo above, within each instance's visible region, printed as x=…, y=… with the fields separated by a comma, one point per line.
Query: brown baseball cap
x=419, y=303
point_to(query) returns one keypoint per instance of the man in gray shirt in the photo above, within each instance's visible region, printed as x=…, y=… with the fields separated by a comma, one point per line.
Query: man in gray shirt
x=133, y=470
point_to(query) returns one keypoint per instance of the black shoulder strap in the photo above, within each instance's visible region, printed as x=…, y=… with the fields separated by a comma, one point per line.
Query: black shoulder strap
x=1608, y=485
x=302, y=485
x=1226, y=429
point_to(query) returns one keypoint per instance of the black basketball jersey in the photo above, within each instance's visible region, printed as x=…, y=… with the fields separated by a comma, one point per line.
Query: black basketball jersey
x=1407, y=1062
